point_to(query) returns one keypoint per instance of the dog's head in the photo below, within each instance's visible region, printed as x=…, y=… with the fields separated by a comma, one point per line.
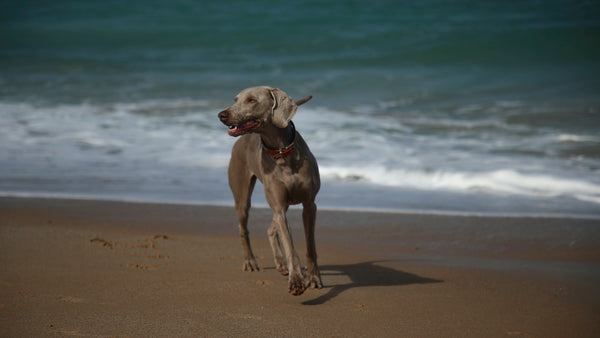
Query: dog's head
x=257, y=107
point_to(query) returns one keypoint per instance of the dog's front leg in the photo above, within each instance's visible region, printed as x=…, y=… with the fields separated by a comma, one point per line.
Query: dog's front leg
x=250, y=263
x=295, y=278
x=309, y=214
x=249, y=260
x=280, y=263
x=242, y=185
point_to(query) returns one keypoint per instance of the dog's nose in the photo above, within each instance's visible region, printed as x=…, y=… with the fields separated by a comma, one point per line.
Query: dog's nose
x=224, y=115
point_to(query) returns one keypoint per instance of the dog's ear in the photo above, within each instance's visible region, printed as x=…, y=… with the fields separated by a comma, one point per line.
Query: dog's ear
x=283, y=109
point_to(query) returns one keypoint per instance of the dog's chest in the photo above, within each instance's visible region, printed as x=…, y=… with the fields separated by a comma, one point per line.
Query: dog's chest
x=295, y=182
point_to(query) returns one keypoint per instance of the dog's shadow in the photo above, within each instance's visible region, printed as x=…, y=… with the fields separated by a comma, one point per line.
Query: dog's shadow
x=365, y=274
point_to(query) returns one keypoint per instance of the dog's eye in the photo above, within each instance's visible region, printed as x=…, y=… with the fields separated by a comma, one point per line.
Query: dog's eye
x=251, y=100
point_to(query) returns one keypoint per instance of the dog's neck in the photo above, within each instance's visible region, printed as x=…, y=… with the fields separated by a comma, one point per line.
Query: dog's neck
x=279, y=141
x=277, y=138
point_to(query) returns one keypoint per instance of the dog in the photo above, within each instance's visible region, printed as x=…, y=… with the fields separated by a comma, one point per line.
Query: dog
x=272, y=151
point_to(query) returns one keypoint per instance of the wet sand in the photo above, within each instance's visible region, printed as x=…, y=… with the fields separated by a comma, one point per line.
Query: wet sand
x=95, y=268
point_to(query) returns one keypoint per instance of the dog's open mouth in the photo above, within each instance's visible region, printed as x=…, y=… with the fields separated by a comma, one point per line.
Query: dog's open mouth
x=242, y=128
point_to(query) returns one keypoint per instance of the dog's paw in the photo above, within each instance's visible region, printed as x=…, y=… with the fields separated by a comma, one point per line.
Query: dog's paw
x=250, y=265
x=281, y=266
x=297, y=286
x=314, y=282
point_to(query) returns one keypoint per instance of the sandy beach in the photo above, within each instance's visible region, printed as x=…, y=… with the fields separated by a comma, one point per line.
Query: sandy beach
x=117, y=269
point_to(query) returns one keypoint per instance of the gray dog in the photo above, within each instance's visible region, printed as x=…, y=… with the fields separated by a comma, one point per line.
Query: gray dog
x=271, y=150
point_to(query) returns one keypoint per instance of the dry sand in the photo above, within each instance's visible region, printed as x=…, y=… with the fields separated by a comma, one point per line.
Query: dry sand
x=93, y=268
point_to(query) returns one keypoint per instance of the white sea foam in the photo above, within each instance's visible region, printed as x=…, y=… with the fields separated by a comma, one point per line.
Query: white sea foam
x=577, y=138
x=177, y=142
x=506, y=181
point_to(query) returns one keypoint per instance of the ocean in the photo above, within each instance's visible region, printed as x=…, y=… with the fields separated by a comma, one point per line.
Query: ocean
x=459, y=107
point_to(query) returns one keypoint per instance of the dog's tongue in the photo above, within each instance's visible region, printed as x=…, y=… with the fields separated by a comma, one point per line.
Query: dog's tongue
x=234, y=131
x=241, y=129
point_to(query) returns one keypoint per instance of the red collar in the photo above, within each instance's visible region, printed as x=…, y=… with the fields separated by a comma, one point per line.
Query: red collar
x=281, y=152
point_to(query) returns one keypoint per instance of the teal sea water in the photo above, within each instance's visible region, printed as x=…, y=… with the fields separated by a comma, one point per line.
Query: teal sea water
x=448, y=106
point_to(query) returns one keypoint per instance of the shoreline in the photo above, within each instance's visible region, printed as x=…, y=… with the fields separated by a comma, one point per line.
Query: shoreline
x=398, y=211
x=106, y=268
